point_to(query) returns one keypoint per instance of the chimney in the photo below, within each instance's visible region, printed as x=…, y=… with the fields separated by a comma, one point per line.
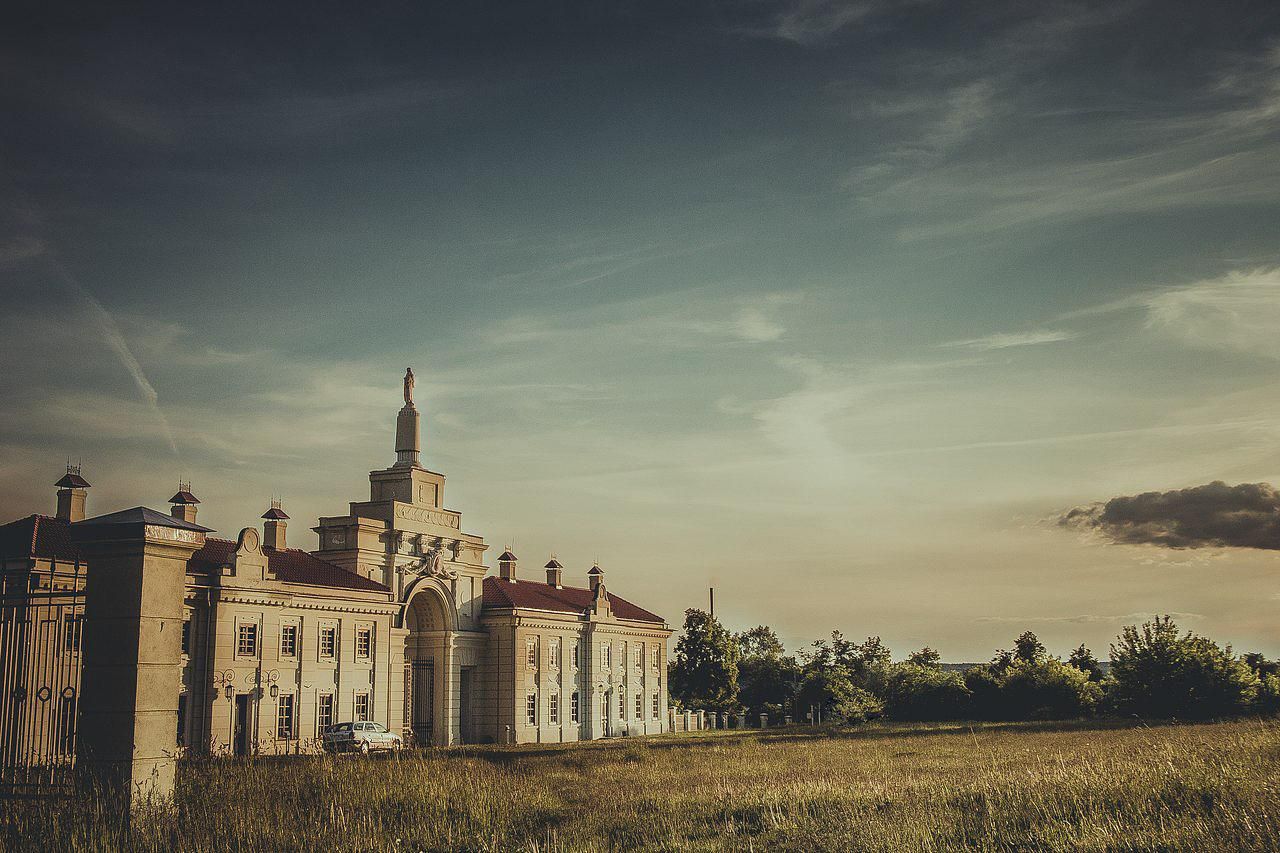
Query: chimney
x=596, y=576
x=554, y=573
x=273, y=528
x=507, y=565
x=184, y=503
x=72, y=494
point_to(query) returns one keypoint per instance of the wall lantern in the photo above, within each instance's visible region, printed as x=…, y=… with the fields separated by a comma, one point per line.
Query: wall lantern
x=275, y=690
x=229, y=691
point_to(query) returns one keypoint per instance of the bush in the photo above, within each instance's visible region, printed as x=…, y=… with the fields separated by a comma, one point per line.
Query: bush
x=919, y=692
x=1159, y=673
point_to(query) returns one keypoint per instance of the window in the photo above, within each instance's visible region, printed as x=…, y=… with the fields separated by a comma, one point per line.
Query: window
x=575, y=654
x=72, y=632
x=606, y=655
x=324, y=712
x=186, y=636
x=657, y=702
x=573, y=707
x=284, y=716
x=531, y=651
x=364, y=642
x=182, y=717
x=639, y=705
x=555, y=652
x=362, y=706
x=622, y=703
x=288, y=641
x=657, y=657
x=637, y=657
x=531, y=709
x=553, y=710
x=247, y=639
x=328, y=641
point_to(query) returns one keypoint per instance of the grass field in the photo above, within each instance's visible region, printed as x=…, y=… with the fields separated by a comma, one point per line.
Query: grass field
x=1087, y=786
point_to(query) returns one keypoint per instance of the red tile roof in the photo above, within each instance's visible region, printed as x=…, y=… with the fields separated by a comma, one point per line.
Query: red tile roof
x=290, y=566
x=37, y=536
x=502, y=595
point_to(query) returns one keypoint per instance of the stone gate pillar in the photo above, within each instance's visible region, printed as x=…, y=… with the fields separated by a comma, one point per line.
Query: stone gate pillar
x=137, y=564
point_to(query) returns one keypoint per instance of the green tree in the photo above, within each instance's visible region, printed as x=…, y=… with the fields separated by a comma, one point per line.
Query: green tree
x=917, y=692
x=1046, y=689
x=1160, y=672
x=1028, y=647
x=926, y=657
x=832, y=693
x=760, y=641
x=704, y=672
x=1082, y=659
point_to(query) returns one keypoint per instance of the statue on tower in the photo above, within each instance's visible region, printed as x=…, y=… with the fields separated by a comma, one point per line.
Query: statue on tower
x=408, y=386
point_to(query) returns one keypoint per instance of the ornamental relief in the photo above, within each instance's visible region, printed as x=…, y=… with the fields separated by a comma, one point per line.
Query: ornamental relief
x=423, y=515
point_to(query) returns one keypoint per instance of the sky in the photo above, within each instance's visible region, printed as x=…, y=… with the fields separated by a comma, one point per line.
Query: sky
x=839, y=307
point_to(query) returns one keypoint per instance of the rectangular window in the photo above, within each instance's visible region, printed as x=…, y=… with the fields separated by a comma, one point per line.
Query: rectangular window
x=328, y=644
x=575, y=654
x=573, y=707
x=531, y=709
x=186, y=636
x=288, y=641
x=637, y=657
x=639, y=705
x=284, y=716
x=657, y=657
x=73, y=631
x=606, y=655
x=555, y=652
x=362, y=707
x=656, y=704
x=622, y=703
x=364, y=643
x=324, y=712
x=182, y=718
x=553, y=710
x=531, y=652
x=247, y=639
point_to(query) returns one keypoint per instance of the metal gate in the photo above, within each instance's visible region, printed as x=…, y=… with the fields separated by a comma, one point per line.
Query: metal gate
x=423, y=705
x=41, y=636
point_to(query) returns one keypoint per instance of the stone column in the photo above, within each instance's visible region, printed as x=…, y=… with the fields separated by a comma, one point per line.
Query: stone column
x=133, y=649
x=452, y=733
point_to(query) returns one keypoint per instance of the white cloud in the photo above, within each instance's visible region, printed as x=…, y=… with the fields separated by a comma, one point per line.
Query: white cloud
x=1239, y=311
x=1087, y=618
x=1005, y=340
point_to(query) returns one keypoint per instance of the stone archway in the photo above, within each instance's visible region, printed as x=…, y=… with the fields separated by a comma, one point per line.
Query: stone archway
x=430, y=712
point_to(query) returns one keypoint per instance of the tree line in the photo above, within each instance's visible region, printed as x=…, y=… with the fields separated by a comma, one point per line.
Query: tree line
x=1156, y=671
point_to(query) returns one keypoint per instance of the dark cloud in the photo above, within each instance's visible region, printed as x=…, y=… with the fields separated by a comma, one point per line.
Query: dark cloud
x=1214, y=515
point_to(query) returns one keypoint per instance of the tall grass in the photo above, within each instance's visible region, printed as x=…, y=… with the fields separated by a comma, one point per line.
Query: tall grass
x=992, y=787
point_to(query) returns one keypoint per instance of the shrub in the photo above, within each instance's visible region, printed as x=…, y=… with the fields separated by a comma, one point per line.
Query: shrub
x=833, y=691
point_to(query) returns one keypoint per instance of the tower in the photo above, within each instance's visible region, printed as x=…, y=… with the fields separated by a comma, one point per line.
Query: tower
x=72, y=494
x=184, y=503
x=273, y=527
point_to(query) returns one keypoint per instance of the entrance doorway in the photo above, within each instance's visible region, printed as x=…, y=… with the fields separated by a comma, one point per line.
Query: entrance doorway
x=240, y=736
x=604, y=713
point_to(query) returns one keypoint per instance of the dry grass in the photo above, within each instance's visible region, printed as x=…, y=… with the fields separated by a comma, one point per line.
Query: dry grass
x=890, y=787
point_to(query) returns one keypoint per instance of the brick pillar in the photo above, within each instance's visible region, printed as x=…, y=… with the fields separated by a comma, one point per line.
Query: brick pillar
x=127, y=736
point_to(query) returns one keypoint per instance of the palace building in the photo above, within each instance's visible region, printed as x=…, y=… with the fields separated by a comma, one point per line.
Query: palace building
x=393, y=618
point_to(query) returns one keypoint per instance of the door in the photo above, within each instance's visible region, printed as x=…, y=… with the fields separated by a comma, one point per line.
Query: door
x=240, y=739
x=424, y=695
x=604, y=713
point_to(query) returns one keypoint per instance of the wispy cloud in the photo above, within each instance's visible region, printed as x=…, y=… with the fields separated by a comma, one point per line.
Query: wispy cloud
x=1087, y=619
x=1006, y=340
x=1239, y=311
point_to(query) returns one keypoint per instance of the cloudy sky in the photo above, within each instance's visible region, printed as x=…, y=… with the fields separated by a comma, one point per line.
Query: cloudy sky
x=836, y=306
